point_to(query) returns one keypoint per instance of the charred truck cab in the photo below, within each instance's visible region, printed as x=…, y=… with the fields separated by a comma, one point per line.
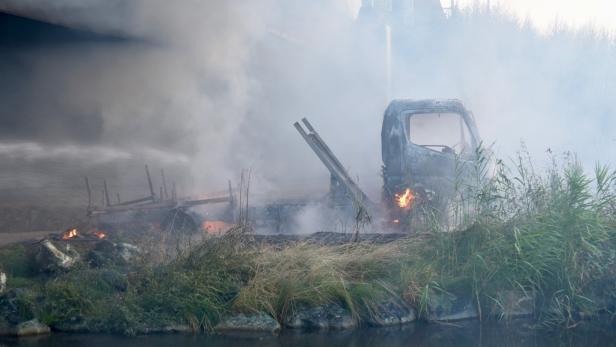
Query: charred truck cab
x=423, y=142
x=426, y=147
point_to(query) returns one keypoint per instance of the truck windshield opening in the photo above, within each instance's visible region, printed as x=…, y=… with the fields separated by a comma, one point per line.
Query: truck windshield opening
x=443, y=132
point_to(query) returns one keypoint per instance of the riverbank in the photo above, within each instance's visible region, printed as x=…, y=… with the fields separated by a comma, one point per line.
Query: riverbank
x=524, y=246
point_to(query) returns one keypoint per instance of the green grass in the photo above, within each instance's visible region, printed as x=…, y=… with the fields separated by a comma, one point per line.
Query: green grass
x=196, y=288
x=551, y=235
x=15, y=261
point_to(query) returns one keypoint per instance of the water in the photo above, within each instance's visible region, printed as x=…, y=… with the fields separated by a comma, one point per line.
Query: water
x=468, y=334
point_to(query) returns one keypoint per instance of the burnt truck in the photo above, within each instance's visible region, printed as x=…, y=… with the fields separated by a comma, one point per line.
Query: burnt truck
x=426, y=146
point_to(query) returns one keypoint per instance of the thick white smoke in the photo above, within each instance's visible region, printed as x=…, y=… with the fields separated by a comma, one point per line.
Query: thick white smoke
x=217, y=85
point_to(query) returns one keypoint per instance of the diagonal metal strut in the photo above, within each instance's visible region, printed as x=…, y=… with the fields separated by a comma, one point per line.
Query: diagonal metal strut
x=332, y=163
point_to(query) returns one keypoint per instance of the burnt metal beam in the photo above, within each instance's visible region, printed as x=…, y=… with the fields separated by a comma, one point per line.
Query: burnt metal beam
x=189, y=203
x=136, y=201
x=332, y=163
x=161, y=205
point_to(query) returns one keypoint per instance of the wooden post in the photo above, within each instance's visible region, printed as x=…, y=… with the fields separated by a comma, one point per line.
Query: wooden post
x=151, y=186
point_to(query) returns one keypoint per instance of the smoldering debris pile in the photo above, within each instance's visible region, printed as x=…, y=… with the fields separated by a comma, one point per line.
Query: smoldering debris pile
x=50, y=259
x=61, y=256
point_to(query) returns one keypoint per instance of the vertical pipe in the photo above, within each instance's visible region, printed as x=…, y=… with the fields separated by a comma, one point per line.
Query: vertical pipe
x=162, y=174
x=89, y=192
x=231, y=197
x=388, y=61
x=107, y=201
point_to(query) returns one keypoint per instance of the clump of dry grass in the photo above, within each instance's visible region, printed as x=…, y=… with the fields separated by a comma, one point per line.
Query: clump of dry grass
x=354, y=276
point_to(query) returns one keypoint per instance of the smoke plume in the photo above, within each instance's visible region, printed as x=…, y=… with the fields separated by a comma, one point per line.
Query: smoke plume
x=208, y=88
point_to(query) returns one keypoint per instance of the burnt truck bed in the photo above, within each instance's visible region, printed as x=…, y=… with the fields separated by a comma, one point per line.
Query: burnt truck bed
x=163, y=210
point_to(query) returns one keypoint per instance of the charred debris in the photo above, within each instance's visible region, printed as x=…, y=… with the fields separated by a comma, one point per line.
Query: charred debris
x=428, y=148
x=164, y=209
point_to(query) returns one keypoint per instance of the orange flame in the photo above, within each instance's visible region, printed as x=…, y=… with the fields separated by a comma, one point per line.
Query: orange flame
x=406, y=199
x=100, y=234
x=70, y=234
x=215, y=227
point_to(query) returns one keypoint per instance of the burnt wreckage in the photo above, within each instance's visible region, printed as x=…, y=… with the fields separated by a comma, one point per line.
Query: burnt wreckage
x=165, y=209
x=426, y=145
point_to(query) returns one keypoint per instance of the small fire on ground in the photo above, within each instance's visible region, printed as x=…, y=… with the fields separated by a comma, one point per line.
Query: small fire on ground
x=215, y=227
x=70, y=234
x=73, y=233
x=100, y=234
x=405, y=200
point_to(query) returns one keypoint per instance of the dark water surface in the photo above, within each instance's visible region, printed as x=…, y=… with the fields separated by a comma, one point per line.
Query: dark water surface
x=464, y=334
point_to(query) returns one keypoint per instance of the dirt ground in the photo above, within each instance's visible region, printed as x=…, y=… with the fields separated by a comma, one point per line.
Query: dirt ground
x=23, y=223
x=30, y=218
x=17, y=237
